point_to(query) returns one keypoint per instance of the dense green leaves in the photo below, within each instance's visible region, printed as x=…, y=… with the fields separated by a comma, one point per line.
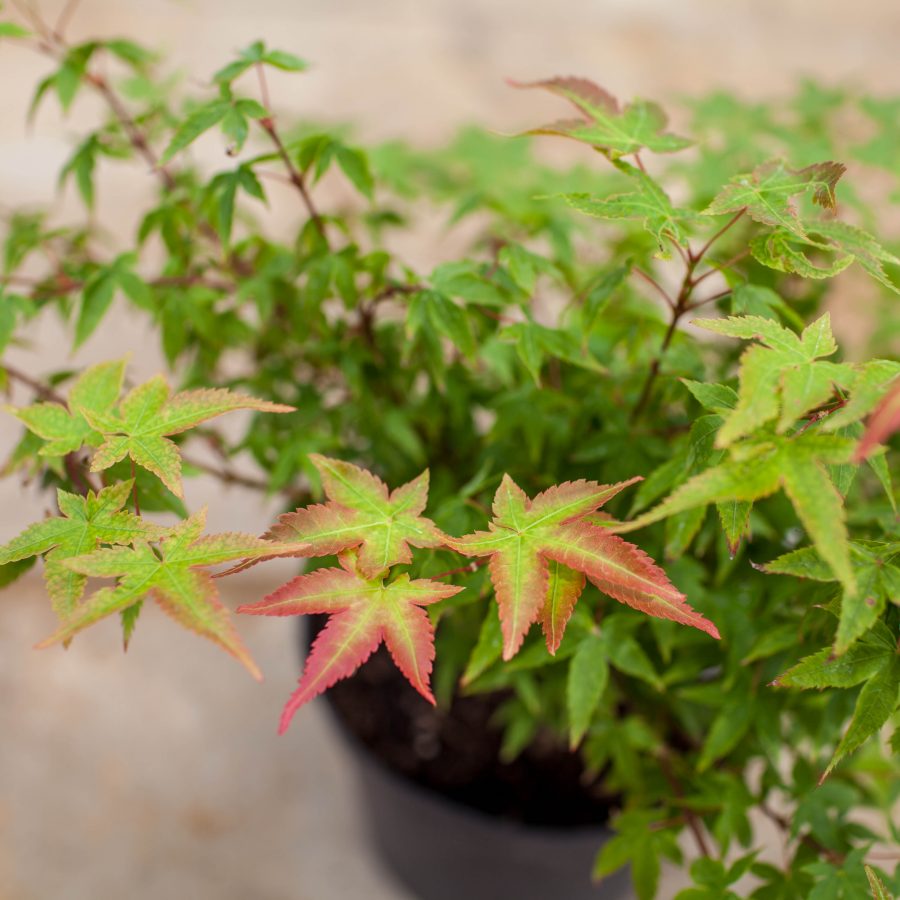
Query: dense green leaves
x=538, y=342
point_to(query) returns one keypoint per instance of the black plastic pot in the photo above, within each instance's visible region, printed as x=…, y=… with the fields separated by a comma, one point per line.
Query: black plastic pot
x=441, y=849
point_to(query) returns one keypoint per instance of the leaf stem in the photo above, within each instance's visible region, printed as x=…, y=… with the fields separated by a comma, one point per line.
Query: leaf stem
x=732, y=221
x=473, y=566
x=296, y=176
x=654, y=283
x=134, y=489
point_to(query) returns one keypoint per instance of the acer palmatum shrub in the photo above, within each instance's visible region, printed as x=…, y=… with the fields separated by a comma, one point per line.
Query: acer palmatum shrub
x=656, y=531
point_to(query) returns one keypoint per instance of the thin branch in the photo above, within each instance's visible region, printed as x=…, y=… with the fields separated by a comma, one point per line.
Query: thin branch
x=652, y=281
x=693, y=821
x=733, y=220
x=684, y=254
x=45, y=392
x=295, y=175
x=806, y=839
x=65, y=17
x=473, y=566
x=263, y=86
x=655, y=366
x=712, y=299
x=136, y=137
x=134, y=491
x=720, y=267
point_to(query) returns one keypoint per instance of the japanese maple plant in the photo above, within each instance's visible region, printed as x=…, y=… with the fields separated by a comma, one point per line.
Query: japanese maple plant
x=603, y=360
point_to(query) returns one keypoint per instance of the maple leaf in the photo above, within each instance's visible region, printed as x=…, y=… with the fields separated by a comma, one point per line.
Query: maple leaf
x=872, y=661
x=877, y=577
x=85, y=523
x=788, y=251
x=796, y=465
x=781, y=377
x=148, y=413
x=766, y=192
x=649, y=203
x=526, y=536
x=603, y=124
x=67, y=430
x=363, y=612
x=361, y=513
x=174, y=576
x=884, y=422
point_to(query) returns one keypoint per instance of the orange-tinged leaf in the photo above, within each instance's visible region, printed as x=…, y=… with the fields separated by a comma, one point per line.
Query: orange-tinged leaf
x=541, y=549
x=563, y=590
x=364, y=612
x=361, y=513
x=884, y=422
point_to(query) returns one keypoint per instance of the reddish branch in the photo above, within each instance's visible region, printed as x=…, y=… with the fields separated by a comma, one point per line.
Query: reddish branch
x=683, y=303
x=295, y=175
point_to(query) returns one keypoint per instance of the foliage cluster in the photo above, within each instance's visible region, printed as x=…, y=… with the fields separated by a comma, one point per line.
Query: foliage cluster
x=597, y=335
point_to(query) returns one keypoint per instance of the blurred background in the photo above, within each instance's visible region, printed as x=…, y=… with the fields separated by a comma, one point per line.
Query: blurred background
x=160, y=775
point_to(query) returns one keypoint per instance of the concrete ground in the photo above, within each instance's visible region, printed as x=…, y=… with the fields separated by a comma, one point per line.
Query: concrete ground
x=159, y=775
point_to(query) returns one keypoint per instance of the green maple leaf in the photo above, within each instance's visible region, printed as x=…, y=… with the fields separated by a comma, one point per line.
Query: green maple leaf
x=786, y=251
x=526, y=536
x=766, y=192
x=363, y=612
x=603, y=124
x=868, y=387
x=85, y=523
x=147, y=414
x=781, y=377
x=877, y=886
x=67, y=430
x=796, y=465
x=845, y=244
x=649, y=203
x=174, y=575
x=361, y=513
x=872, y=662
x=877, y=577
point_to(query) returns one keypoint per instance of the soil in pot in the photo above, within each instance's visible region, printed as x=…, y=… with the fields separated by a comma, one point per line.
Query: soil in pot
x=528, y=828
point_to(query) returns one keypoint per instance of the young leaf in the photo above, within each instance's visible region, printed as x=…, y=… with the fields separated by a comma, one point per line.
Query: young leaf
x=766, y=192
x=588, y=676
x=879, y=891
x=864, y=660
x=199, y=121
x=781, y=377
x=527, y=535
x=363, y=612
x=175, y=577
x=85, y=523
x=876, y=578
x=67, y=430
x=148, y=413
x=874, y=706
x=794, y=464
x=361, y=513
x=649, y=204
x=603, y=124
